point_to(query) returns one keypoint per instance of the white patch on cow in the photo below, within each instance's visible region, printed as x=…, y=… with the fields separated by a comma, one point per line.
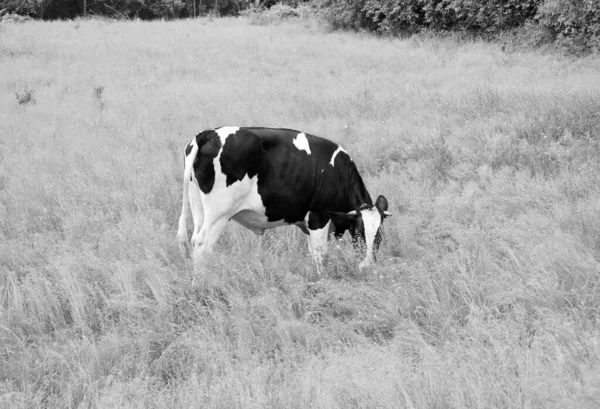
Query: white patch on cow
x=338, y=150
x=372, y=222
x=301, y=143
x=225, y=131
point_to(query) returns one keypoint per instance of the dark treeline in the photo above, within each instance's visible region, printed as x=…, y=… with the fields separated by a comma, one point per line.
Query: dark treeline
x=574, y=24
x=143, y=9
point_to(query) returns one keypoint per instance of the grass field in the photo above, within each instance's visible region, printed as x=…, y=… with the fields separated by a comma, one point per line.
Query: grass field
x=487, y=294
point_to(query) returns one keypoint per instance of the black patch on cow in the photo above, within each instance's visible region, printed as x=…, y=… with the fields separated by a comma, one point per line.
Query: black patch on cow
x=241, y=156
x=317, y=221
x=357, y=230
x=188, y=149
x=209, y=145
x=342, y=222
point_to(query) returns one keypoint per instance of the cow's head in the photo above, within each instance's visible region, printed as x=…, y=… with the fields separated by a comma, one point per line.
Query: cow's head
x=364, y=224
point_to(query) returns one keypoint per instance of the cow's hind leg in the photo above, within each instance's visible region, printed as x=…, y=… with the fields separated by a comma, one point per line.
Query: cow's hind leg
x=182, y=234
x=191, y=198
x=194, y=205
x=204, y=241
x=197, y=208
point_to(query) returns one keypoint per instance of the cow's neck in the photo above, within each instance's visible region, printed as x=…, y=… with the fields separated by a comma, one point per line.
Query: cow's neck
x=358, y=193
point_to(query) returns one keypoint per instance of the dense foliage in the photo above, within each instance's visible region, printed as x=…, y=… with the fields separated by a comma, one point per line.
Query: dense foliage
x=144, y=9
x=574, y=23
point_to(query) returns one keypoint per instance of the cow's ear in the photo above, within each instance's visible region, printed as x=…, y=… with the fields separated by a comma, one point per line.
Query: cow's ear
x=343, y=220
x=382, y=204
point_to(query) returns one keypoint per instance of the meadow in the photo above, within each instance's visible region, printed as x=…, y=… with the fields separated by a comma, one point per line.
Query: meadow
x=487, y=291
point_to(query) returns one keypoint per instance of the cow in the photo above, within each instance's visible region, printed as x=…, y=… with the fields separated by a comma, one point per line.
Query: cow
x=264, y=178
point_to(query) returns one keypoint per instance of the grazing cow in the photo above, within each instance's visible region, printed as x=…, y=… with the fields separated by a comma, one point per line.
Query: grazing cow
x=264, y=178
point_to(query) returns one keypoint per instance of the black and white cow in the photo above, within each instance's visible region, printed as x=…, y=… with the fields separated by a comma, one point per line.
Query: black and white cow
x=264, y=178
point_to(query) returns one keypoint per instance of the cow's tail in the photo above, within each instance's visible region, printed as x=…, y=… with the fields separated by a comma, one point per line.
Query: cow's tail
x=188, y=167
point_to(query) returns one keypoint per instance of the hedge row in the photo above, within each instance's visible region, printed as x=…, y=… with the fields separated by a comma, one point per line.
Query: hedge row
x=574, y=23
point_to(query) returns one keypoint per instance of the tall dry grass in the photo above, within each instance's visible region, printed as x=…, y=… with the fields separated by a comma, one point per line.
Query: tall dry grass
x=487, y=293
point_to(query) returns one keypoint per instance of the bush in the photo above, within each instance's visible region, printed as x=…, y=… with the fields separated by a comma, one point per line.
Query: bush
x=493, y=15
x=14, y=18
x=575, y=24
x=346, y=14
x=31, y=8
x=410, y=16
x=279, y=12
x=405, y=16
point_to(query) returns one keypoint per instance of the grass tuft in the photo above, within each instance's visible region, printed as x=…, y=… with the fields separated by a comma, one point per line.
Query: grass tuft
x=25, y=97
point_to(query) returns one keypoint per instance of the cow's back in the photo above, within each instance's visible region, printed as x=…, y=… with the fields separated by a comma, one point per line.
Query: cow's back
x=302, y=172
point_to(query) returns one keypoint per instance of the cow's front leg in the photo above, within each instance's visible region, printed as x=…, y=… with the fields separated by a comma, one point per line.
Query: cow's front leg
x=318, y=231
